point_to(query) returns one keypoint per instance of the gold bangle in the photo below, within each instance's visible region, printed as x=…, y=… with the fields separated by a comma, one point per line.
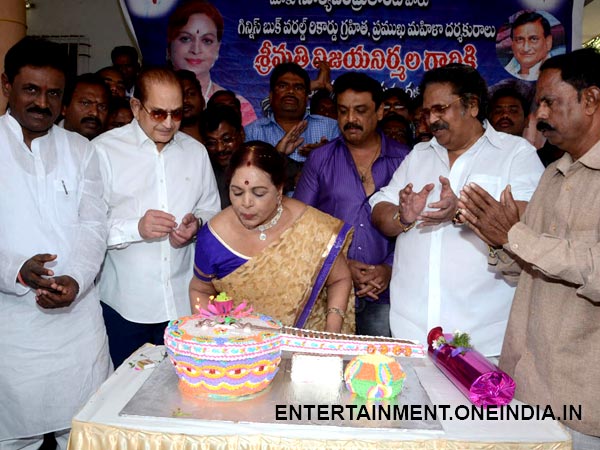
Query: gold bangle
x=405, y=227
x=337, y=311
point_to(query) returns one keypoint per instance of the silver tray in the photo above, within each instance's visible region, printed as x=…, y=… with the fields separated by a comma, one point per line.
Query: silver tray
x=284, y=402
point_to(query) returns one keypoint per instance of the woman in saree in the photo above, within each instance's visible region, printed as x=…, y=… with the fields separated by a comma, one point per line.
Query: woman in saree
x=288, y=260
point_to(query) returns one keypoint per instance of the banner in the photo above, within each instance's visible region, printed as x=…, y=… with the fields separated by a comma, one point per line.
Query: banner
x=394, y=41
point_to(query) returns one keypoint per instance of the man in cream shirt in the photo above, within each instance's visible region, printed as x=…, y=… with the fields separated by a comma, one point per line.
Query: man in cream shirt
x=160, y=187
x=439, y=274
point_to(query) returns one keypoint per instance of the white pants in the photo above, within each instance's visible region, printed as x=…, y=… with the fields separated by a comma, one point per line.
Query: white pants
x=35, y=442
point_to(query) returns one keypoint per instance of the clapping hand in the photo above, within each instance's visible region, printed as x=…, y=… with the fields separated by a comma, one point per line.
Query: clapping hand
x=292, y=140
x=489, y=219
x=445, y=207
x=412, y=203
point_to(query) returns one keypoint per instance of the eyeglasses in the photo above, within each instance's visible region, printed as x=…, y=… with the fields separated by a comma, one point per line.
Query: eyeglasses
x=159, y=115
x=226, y=141
x=438, y=110
x=284, y=87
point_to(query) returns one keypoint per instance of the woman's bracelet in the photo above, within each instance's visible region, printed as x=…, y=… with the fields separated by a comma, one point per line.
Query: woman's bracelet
x=337, y=311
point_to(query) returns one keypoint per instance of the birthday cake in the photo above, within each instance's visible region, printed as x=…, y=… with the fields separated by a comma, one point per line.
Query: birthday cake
x=224, y=352
x=374, y=376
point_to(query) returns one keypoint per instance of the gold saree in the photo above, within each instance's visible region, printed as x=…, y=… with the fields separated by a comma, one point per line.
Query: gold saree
x=287, y=277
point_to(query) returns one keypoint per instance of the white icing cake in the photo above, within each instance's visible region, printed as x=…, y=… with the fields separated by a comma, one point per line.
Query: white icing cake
x=318, y=369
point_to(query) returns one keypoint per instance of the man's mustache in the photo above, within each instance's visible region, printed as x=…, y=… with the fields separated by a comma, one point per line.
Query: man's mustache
x=506, y=120
x=437, y=126
x=351, y=126
x=93, y=120
x=544, y=126
x=38, y=110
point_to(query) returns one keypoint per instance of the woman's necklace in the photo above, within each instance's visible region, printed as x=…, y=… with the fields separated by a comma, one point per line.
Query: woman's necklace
x=207, y=94
x=363, y=174
x=262, y=228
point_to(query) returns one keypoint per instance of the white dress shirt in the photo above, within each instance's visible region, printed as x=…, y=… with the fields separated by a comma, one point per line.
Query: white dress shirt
x=53, y=359
x=146, y=281
x=440, y=274
x=513, y=67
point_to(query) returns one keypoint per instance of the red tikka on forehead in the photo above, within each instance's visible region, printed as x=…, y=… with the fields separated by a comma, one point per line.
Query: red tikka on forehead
x=246, y=182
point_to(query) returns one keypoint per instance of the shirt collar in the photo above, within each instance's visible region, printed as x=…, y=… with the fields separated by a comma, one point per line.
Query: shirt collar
x=17, y=130
x=272, y=117
x=489, y=134
x=591, y=159
x=142, y=138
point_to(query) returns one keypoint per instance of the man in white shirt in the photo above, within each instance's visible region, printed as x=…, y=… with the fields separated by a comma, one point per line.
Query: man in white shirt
x=159, y=184
x=53, y=222
x=440, y=274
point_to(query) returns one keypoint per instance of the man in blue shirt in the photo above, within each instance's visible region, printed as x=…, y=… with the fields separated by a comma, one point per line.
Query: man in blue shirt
x=290, y=128
x=339, y=177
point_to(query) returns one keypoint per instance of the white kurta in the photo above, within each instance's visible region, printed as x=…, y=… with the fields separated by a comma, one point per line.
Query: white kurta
x=147, y=281
x=53, y=359
x=440, y=274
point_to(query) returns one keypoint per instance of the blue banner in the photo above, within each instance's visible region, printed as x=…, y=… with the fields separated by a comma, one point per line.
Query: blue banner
x=395, y=41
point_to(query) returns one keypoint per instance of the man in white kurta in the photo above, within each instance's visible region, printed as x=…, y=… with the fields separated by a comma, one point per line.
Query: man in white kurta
x=53, y=224
x=159, y=184
x=440, y=274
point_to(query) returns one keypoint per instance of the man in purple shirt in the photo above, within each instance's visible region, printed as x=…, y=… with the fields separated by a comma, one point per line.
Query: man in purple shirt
x=339, y=177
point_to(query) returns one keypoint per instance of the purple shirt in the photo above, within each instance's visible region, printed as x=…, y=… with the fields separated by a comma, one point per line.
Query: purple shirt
x=330, y=182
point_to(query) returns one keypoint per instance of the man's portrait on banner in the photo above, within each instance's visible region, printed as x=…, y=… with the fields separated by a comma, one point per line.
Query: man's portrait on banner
x=527, y=40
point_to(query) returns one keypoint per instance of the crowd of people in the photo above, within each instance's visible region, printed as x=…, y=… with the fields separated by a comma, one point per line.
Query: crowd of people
x=133, y=194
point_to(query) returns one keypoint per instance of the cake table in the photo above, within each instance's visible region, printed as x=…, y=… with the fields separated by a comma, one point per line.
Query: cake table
x=99, y=424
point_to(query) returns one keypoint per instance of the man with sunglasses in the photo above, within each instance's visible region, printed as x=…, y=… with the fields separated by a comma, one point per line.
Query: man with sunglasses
x=159, y=185
x=439, y=274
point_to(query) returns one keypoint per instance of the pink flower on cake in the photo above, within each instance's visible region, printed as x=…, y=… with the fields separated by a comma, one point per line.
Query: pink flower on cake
x=220, y=309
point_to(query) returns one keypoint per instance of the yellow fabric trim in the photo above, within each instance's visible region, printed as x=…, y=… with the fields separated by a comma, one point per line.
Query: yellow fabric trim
x=89, y=436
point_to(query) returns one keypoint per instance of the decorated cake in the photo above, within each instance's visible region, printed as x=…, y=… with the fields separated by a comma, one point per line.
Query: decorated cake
x=224, y=352
x=374, y=376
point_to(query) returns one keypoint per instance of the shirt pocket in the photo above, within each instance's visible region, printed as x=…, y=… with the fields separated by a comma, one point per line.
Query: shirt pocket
x=582, y=239
x=491, y=183
x=66, y=204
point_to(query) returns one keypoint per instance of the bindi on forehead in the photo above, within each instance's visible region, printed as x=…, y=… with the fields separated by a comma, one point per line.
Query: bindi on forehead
x=246, y=182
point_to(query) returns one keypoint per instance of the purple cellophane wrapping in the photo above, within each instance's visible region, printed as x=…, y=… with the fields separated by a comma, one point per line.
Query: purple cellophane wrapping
x=478, y=379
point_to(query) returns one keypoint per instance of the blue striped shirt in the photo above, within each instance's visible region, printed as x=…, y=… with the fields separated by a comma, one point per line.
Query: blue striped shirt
x=268, y=130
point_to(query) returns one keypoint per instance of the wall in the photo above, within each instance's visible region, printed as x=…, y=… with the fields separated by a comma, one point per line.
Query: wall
x=100, y=20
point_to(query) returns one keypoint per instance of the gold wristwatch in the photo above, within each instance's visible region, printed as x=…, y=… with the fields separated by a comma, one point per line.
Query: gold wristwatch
x=405, y=227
